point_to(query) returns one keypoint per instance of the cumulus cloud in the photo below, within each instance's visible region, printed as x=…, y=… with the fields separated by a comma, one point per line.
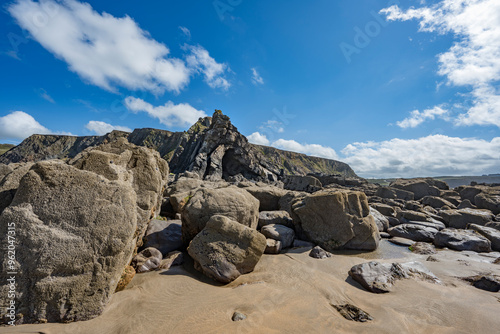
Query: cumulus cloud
x=291, y=145
x=199, y=60
x=19, y=125
x=101, y=128
x=256, y=78
x=473, y=60
x=416, y=117
x=259, y=139
x=309, y=149
x=105, y=50
x=427, y=156
x=169, y=114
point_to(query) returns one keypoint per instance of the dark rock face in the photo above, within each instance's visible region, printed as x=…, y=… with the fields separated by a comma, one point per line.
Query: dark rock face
x=44, y=147
x=164, y=235
x=212, y=148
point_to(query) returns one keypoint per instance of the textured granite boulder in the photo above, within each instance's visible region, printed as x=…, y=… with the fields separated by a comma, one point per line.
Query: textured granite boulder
x=231, y=202
x=336, y=219
x=226, y=249
x=75, y=236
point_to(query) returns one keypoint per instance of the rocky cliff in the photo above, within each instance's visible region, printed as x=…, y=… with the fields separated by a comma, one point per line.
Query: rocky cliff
x=213, y=148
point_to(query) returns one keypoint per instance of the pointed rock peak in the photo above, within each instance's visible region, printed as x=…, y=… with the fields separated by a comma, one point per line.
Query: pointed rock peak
x=202, y=124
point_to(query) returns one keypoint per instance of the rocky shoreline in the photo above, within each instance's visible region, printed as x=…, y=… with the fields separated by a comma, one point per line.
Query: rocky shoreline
x=95, y=225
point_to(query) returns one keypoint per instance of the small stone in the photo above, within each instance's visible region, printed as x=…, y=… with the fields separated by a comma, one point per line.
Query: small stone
x=126, y=277
x=174, y=258
x=238, y=316
x=353, y=313
x=272, y=246
x=147, y=260
x=319, y=253
x=385, y=235
x=487, y=283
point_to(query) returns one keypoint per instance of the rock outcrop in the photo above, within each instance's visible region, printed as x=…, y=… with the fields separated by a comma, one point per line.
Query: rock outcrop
x=212, y=149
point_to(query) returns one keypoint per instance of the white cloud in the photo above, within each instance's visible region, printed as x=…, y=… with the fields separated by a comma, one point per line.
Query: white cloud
x=20, y=125
x=101, y=128
x=170, y=114
x=416, y=117
x=256, y=78
x=185, y=31
x=272, y=125
x=427, y=156
x=259, y=139
x=309, y=149
x=108, y=51
x=473, y=61
x=199, y=61
x=291, y=145
x=44, y=95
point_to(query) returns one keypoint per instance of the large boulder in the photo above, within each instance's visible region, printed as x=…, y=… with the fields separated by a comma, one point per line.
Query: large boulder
x=10, y=182
x=226, y=249
x=462, y=240
x=413, y=232
x=436, y=202
x=489, y=200
x=493, y=235
x=141, y=167
x=463, y=217
x=469, y=192
x=381, y=221
x=380, y=277
x=74, y=237
x=336, y=219
x=384, y=209
x=419, y=187
x=268, y=197
x=394, y=193
x=231, y=202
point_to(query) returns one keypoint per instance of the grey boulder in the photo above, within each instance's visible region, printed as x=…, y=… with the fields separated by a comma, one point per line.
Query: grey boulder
x=462, y=240
x=281, y=233
x=226, y=249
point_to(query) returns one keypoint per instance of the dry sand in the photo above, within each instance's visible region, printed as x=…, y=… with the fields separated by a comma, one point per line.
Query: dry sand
x=292, y=293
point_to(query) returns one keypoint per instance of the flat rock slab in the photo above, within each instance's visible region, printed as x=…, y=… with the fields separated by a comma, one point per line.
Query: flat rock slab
x=379, y=277
x=401, y=241
x=462, y=240
x=413, y=232
x=493, y=235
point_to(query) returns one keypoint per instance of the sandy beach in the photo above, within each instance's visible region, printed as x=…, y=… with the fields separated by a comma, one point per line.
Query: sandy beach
x=292, y=293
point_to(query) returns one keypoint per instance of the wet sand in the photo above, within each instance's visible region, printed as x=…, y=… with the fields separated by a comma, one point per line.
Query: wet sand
x=292, y=293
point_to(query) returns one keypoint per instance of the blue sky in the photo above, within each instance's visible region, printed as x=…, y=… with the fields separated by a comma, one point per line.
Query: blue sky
x=393, y=91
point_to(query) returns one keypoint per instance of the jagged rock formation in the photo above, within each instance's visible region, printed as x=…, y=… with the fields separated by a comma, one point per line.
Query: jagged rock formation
x=43, y=147
x=212, y=148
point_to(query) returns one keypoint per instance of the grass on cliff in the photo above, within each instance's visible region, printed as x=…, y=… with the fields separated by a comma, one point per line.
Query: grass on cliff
x=5, y=147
